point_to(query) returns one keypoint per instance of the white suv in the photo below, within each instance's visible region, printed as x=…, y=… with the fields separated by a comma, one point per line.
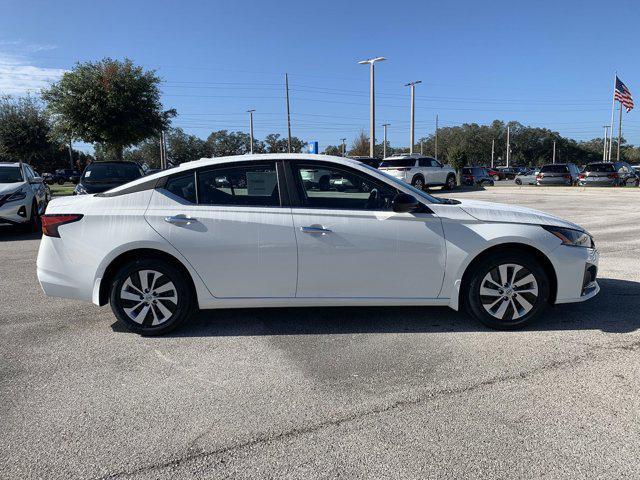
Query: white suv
x=23, y=195
x=419, y=171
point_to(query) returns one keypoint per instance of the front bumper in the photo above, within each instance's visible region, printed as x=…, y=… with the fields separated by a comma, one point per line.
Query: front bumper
x=576, y=271
x=14, y=213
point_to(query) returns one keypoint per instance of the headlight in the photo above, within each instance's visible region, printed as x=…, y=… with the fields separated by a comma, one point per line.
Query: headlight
x=17, y=195
x=80, y=190
x=568, y=236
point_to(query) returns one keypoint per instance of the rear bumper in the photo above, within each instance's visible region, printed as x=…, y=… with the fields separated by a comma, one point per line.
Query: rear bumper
x=554, y=181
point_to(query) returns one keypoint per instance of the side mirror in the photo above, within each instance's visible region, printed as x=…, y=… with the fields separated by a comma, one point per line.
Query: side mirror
x=36, y=180
x=403, y=203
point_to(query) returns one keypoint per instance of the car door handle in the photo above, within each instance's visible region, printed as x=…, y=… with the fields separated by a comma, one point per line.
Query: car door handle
x=180, y=220
x=315, y=229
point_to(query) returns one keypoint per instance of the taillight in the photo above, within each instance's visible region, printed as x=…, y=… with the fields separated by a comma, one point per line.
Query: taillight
x=51, y=222
x=582, y=176
x=539, y=176
x=613, y=175
x=566, y=176
x=403, y=169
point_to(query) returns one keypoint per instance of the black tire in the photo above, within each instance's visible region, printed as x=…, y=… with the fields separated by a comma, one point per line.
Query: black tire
x=418, y=182
x=518, y=181
x=450, y=184
x=33, y=225
x=478, y=305
x=180, y=310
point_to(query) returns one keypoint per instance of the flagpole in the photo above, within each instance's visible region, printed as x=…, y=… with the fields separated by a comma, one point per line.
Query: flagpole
x=613, y=107
x=619, y=133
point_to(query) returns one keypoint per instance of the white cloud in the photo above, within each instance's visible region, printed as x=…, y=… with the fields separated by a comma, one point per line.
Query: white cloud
x=18, y=75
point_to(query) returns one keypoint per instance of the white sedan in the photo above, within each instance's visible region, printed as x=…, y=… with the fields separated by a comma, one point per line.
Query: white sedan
x=252, y=231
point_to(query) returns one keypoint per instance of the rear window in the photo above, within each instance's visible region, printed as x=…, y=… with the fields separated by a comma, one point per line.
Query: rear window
x=403, y=162
x=599, y=167
x=111, y=172
x=554, y=169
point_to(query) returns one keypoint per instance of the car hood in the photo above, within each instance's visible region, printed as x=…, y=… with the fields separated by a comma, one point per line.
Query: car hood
x=9, y=187
x=499, y=212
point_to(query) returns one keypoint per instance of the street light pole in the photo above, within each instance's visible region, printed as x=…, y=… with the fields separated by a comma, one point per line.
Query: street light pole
x=384, y=143
x=493, y=150
x=372, y=102
x=436, y=150
x=412, y=85
x=604, y=150
x=554, y=152
x=508, y=145
x=344, y=147
x=250, y=112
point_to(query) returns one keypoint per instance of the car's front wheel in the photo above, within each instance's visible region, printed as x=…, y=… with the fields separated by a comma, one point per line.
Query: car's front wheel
x=150, y=296
x=507, y=290
x=418, y=182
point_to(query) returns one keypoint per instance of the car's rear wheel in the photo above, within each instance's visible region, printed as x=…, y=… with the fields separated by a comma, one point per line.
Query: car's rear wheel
x=518, y=181
x=496, y=177
x=451, y=182
x=507, y=290
x=150, y=296
x=418, y=182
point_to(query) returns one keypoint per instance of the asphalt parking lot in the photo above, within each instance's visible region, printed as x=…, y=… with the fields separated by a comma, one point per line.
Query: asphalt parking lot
x=331, y=393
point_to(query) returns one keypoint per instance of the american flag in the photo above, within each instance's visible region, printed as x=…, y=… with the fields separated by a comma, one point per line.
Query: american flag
x=623, y=95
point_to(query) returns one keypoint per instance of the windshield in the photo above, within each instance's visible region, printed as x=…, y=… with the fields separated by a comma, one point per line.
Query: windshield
x=402, y=162
x=414, y=191
x=599, y=167
x=10, y=175
x=111, y=172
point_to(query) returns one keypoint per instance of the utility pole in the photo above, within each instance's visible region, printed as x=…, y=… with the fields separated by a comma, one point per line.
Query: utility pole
x=286, y=81
x=508, y=145
x=163, y=160
x=436, y=152
x=344, y=147
x=412, y=85
x=604, y=150
x=384, y=143
x=619, y=133
x=554, y=152
x=421, y=147
x=493, y=150
x=372, y=102
x=613, y=107
x=250, y=112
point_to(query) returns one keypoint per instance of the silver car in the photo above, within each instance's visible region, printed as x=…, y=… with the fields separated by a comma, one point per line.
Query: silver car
x=558, y=174
x=527, y=177
x=608, y=174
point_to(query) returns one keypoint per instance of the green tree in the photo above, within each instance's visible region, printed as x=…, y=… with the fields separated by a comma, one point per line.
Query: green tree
x=457, y=158
x=333, y=150
x=276, y=144
x=223, y=143
x=110, y=102
x=24, y=130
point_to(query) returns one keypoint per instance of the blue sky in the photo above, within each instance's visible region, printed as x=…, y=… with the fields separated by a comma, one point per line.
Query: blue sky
x=541, y=63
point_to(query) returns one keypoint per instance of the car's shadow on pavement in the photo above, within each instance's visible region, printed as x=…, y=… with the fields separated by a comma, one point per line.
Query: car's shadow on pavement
x=615, y=309
x=12, y=234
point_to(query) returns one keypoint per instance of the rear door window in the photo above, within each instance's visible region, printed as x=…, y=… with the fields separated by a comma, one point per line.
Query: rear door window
x=243, y=185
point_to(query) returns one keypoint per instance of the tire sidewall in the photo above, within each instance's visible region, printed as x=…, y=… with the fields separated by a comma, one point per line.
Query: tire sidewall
x=472, y=292
x=186, y=298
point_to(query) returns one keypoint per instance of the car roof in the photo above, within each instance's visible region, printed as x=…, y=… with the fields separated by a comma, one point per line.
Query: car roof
x=256, y=157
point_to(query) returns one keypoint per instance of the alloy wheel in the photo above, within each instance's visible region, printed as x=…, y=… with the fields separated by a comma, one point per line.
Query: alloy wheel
x=149, y=297
x=509, y=292
x=418, y=183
